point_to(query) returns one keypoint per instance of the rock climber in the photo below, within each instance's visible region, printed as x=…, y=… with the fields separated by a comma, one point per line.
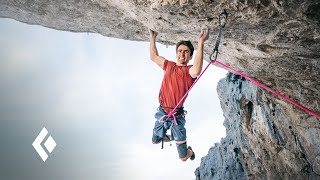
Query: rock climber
x=178, y=78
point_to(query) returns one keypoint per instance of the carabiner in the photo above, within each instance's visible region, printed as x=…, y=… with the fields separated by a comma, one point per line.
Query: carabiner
x=225, y=17
x=214, y=55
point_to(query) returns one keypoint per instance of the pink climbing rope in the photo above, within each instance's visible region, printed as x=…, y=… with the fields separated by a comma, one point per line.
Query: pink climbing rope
x=248, y=78
x=267, y=88
x=185, y=95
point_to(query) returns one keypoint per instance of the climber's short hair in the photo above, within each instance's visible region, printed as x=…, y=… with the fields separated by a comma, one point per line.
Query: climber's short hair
x=186, y=43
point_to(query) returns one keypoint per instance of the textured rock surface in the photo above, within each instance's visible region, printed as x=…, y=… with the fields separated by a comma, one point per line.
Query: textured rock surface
x=274, y=41
x=265, y=138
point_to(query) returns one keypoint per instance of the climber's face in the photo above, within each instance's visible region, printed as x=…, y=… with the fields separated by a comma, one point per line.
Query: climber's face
x=183, y=55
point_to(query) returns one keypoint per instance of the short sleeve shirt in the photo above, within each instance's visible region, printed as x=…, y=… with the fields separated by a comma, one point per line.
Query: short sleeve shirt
x=176, y=82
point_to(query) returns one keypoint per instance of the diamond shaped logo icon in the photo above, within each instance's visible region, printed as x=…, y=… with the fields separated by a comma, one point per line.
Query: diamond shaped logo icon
x=49, y=144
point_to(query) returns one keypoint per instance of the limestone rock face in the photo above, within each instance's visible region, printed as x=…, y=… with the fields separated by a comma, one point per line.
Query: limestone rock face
x=265, y=140
x=276, y=42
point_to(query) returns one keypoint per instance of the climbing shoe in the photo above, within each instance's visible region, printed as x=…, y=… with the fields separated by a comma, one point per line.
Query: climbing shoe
x=193, y=155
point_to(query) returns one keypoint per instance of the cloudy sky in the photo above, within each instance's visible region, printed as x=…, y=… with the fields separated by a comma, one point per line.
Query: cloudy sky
x=96, y=96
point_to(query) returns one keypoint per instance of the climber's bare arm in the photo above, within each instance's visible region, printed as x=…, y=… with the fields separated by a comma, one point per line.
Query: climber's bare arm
x=154, y=56
x=196, y=69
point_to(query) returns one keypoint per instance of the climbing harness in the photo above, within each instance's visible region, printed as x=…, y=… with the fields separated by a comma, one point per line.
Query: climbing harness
x=178, y=114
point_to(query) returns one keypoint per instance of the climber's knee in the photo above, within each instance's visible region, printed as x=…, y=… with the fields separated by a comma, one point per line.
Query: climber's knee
x=182, y=150
x=156, y=139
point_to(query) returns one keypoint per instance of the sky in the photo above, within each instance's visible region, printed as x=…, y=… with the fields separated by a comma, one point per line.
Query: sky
x=97, y=97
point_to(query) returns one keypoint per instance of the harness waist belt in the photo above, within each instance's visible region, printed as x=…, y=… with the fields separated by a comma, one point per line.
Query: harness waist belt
x=179, y=113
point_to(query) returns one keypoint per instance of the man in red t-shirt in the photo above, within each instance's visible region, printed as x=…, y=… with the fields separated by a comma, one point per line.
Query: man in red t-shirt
x=178, y=77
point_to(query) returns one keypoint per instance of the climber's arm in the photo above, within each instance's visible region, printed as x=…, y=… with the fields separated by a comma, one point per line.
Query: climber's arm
x=196, y=69
x=154, y=56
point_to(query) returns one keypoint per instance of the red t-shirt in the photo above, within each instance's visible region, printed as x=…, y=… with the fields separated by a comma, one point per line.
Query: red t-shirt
x=176, y=82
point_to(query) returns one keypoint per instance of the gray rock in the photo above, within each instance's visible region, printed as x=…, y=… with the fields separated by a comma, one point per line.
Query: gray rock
x=266, y=139
x=276, y=42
